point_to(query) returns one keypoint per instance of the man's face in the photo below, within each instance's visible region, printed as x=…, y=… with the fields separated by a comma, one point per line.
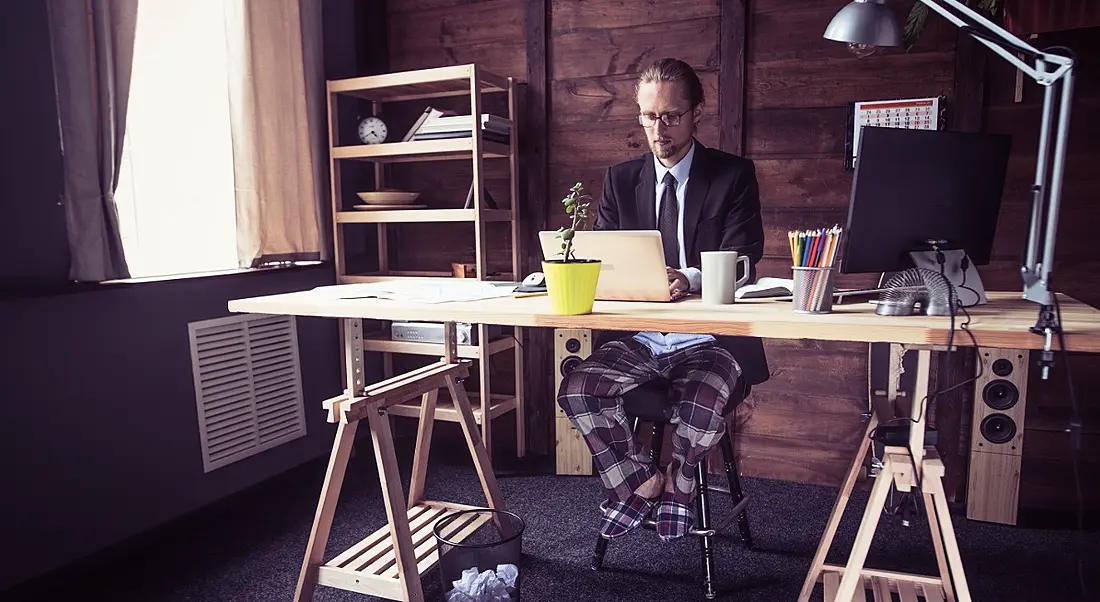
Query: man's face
x=667, y=98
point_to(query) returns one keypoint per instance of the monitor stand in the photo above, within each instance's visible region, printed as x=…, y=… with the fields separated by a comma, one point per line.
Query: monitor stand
x=967, y=283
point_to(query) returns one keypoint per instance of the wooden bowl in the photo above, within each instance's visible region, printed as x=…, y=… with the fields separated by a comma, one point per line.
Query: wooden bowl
x=389, y=197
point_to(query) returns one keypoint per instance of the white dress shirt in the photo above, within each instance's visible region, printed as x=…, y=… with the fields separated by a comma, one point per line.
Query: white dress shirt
x=660, y=343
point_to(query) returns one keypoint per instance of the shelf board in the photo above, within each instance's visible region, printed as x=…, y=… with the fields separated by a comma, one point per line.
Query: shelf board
x=370, y=566
x=445, y=410
x=381, y=342
x=420, y=150
x=422, y=83
x=422, y=215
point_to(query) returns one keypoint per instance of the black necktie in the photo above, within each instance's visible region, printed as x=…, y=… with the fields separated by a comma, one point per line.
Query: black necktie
x=667, y=218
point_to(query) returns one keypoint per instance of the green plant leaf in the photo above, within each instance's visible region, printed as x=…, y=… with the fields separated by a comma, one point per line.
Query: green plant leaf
x=567, y=234
x=914, y=25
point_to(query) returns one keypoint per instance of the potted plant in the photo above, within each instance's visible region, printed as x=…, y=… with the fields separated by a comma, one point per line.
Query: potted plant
x=571, y=282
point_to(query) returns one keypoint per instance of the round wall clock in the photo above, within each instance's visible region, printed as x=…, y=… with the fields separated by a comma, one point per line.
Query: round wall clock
x=372, y=130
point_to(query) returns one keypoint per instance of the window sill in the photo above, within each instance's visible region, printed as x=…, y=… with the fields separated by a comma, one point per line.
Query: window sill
x=84, y=287
x=214, y=274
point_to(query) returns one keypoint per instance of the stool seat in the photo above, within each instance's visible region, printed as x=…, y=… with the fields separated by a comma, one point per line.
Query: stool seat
x=650, y=402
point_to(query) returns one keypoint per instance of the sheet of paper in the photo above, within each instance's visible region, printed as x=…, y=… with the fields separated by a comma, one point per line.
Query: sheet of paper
x=417, y=291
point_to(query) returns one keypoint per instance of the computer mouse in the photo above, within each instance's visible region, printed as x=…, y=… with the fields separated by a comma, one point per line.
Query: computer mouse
x=535, y=279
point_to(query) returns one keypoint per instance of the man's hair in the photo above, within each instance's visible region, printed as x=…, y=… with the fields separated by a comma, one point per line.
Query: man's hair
x=673, y=70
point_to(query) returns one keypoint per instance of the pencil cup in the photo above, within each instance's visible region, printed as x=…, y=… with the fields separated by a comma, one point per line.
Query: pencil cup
x=813, y=290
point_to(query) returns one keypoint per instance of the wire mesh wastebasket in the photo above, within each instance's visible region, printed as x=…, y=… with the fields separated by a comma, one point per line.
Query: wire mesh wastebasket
x=479, y=555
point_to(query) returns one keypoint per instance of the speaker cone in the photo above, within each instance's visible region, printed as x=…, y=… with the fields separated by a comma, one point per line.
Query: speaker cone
x=572, y=345
x=998, y=428
x=568, y=364
x=1002, y=367
x=1000, y=394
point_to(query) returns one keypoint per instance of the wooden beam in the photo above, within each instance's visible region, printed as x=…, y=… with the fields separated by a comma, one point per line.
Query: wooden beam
x=733, y=45
x=953, y=409
x=969, y=101
x=534, y=140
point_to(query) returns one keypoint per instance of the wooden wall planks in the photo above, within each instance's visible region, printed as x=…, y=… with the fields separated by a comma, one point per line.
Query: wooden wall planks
x=803, y=424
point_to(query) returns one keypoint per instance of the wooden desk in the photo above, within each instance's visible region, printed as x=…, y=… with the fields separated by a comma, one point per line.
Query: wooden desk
x=1003, y=323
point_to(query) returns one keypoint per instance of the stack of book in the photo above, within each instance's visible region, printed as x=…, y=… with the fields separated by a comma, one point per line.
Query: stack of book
x=433, y=124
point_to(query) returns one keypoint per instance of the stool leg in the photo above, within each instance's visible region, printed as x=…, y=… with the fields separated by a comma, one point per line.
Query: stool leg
x=702, y=522
x=735, y=488
x=597, y=556
x=656, y=443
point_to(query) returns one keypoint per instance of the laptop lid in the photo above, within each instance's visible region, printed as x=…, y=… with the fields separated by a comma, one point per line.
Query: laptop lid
x=632, y=262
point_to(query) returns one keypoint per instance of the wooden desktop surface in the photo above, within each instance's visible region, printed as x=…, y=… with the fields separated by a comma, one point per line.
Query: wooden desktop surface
x=1002, y=323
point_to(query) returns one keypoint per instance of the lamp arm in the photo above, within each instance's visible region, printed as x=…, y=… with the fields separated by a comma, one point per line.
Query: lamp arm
x=996, y=38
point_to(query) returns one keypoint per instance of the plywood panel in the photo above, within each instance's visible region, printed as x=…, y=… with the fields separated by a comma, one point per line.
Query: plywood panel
x=588, y=100
x=789, y=133
x=835, y=82
x=489, y=33
x=503, y=58
x=478, y=23
x=572, y=15
x=796, y=32
x=596, y=51
x=607, y=143
x=793, y=459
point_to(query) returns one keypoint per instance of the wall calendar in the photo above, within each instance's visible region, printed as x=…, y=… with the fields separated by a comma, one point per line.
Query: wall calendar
x=912, y=113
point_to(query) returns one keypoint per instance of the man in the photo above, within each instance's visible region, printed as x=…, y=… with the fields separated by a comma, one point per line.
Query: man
x=700, y=199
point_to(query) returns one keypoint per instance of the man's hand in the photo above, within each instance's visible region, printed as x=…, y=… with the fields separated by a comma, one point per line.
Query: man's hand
x=678, y=285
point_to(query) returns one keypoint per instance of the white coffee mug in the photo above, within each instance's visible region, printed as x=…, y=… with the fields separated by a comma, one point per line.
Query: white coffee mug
x=720, y=281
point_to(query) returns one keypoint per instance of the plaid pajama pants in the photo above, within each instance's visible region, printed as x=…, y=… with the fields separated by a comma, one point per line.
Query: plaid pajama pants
x=702, y=377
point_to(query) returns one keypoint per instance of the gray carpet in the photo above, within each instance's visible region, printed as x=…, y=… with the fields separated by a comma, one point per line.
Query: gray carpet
x=250, y=548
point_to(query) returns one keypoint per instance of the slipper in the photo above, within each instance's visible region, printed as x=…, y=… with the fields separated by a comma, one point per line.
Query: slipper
x=674, y=519
x=625, y=516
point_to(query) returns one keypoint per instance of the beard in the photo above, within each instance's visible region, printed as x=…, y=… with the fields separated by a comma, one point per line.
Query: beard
x=665, y=151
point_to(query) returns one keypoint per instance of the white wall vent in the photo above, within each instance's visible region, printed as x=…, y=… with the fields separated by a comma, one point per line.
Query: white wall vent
x=248, y=385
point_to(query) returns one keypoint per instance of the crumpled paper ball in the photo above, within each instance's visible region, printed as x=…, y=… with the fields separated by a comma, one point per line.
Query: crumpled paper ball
x=485, y=586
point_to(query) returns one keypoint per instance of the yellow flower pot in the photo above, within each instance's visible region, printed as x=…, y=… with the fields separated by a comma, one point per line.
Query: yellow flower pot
x=571, y=286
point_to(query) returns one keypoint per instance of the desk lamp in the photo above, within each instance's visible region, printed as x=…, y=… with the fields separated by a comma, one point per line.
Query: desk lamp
x=866, y=24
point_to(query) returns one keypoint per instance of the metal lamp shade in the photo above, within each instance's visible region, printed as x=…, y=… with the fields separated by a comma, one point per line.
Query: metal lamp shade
x=868, y=22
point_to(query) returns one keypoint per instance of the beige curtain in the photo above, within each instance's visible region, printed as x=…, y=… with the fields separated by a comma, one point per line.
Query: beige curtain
x=92, y=42
x=276, y=92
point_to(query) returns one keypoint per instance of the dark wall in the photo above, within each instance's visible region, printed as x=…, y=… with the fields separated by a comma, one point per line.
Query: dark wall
x=98, y=424
x=33, y=249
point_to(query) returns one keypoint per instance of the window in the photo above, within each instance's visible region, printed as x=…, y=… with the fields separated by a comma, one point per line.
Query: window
x=175, y=196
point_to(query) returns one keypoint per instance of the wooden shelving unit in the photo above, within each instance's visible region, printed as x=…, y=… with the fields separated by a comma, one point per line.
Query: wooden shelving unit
x=422, y=85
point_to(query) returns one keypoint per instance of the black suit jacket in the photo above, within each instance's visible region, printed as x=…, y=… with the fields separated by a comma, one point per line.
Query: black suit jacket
x=721, y=213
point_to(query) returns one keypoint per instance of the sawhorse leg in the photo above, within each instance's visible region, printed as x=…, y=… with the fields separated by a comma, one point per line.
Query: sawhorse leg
x=368, y=567
x=322, y=521
x=842, y=583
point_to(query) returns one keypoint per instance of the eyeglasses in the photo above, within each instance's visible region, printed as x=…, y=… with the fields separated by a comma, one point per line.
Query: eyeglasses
x=648, y=120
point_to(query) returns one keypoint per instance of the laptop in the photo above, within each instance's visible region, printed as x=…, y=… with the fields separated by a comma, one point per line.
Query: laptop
x=632, y=262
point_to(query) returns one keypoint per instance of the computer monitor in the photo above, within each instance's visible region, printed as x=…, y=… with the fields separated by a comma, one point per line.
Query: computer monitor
x=916, y=191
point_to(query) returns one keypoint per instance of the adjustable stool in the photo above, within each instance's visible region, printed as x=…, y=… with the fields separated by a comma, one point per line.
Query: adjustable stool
x=650, y=403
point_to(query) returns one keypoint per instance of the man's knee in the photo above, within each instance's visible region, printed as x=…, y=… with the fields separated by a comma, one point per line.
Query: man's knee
x=574, y=384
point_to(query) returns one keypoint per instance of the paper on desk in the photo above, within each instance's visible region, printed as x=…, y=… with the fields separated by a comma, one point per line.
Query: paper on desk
x=417, y=292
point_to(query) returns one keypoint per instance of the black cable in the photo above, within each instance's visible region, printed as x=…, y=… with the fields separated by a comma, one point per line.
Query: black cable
x=965, y=265
x=1075, y=451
